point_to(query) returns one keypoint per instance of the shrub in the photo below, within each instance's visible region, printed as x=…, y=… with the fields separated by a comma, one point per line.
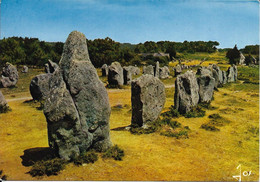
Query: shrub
x=150, y=128
x=217, y=120
x=171, y=113
x=183, y=133
x=114, y=152
x=87, y=157
x=5, y=109
x=2, y=176
x=172, y=124
x=207, y=105
x=49, y=167
x=209, y=127
x=195, y=112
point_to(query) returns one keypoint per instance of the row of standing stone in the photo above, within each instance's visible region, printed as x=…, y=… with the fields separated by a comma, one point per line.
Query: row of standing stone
x=118, y=75
x=148, y=92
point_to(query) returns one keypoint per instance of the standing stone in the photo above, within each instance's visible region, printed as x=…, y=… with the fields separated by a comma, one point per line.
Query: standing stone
x=3, y=104
x=157, y=69
x=148, y=70
x=224, y=77
x=127, y=75
x=25, y=69
x=77, y=109
x=148, y=98
x=39, y=86
x=163, y=72
x=177, y=70
x=219, y=73
x=104, y=70
x=115, y=74
x=186, y=92
x=242, y=59
x=46, y=68
x=203, y=71
x=206, y=88
x=136, y=71
x=235, y=72
x=9, y=76
x=230, y=74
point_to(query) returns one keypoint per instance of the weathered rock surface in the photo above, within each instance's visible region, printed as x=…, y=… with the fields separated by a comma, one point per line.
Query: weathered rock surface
x=104, y=70
x=148, y=70
x=127, y=75
x=219, y=74
x=9, y=76
x=177, y=70
x=235, y=72
x=50, y=67
x=164, y=72
x=39, y=86
x=186, y=92
x=206, y=88
x=242, y=59
x=25, y=69
x=231, y=74
x=224, y=73
x=3, y=104
x=157, y=69
x=148, y=98
x=115, y=74
x=204, y=71
x=77, y=109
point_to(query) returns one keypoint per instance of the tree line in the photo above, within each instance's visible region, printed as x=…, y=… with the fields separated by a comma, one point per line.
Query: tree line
x=32, y=51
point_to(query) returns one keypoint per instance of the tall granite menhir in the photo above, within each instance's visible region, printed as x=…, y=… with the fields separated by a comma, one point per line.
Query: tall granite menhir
x=148, y=98
x=77, y=108
x=186, y=92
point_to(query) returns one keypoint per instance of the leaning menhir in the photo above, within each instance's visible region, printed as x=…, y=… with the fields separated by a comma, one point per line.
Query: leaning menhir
x=3, y=104
x=148, y=98
x=115, y=74
x=9, y=76
x=77, y=109
x=186, y=92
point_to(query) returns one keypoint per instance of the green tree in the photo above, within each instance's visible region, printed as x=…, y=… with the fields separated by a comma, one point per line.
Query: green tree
x=233, y=55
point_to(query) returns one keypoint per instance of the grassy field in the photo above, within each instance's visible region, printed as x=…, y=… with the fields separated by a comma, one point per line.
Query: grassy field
x=204, y=156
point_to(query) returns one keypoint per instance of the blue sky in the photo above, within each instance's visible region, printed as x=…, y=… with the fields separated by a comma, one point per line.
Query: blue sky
x=229, y=22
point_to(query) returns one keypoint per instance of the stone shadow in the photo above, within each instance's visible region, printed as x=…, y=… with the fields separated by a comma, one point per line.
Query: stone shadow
x=33, y=155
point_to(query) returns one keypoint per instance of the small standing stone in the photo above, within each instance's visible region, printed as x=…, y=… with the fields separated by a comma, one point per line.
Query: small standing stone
x=115, y=74
x=186, y=92
x=25, y=69
x=156, y=69
x=9, y=76
x=3, y=104
x=127, y=75
x=177, y=70
x=148, y=70
x=148, y=98
x=104, y=70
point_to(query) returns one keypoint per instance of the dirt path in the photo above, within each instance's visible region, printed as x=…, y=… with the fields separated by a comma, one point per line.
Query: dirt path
x=110, y=91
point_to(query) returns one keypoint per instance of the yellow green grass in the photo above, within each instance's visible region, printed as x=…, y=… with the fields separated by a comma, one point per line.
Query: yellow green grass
x=204, y=156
